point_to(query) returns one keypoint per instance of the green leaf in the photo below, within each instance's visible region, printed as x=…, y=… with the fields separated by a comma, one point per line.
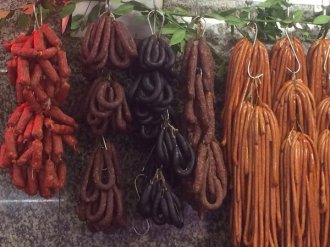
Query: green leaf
x=190, y=34
x=45, y=13
x=77, y=18
x=287, y=21
x=124, y=9
x=182, y=45
x=233, y=20
x=216, y=16
x=75, y=25
x=48, y=5
x=137, y=5
x=178, y=36
x=117, y=2
x=169, y=28
x=67, y=10
x=95, y=13
x=298, y=15
x=23, y=21
x=321, y=19
x=228, y=12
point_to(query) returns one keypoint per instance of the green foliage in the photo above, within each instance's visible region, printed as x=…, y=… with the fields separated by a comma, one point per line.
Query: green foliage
x=94, y=14
x=23, y=21
x=178, y=36
x=266, y=14
x=321, y=19
x=67, y=9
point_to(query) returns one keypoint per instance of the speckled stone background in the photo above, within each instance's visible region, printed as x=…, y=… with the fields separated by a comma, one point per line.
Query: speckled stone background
x=33, y=221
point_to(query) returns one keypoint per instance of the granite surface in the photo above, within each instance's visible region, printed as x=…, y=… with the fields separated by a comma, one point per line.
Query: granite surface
x=34, y=221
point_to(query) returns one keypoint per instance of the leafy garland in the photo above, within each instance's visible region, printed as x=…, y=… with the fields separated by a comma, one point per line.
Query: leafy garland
x=266, y=14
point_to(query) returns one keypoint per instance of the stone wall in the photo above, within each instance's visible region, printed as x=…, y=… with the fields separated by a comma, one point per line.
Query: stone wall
x=204, y=5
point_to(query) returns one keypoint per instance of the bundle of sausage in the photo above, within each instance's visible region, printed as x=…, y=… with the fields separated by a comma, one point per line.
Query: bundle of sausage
x=253, y=145
x=151, y=94
x=237, y=78
x=160, y=203
x=105, y=107
x=37, y=129
x=175, y=153
x=319, y=84
x=39, y=68
x=255, y=179
x=323, y=149
x=300, y=201
x=108, y=40
x=318, y=69
x=100, y=201
x=294, y=107
x=282, y=59
x=208, y=185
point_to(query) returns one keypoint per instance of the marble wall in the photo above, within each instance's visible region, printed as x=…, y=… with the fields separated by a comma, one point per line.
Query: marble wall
x=33, y=221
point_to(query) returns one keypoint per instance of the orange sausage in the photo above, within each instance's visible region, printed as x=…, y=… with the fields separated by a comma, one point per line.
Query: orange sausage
x=37, y=130
x=57, y=145
x=36, y=160
x=10, y=142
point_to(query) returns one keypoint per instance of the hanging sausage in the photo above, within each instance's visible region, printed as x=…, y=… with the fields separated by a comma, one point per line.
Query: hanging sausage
x=241, y=56
x=37, y=130
x=107, y=41
x=150, y=97
x=283, y=62
x=294, y=107
x=318, y=67
x=300, y=186
x=319, y=85
x=207, y=187
x=300, y=179
x=323, y=149
x=100, y=197
x=105, y=110
x=254, y=154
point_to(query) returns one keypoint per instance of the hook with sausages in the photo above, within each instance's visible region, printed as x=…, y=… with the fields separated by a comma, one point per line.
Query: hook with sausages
x=155, y=13
x=160, y=203
x=294, y=73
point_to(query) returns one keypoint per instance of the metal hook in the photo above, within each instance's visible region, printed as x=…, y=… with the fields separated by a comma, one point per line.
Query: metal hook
x=145, y=232
x=253, y=46
x=104, y=143
x=196, y=8
x=107, y=5
x=326, y=59
x=155, y=12
x=295, y=55
x=201, y=25
x=324, y=7
x=325, y=68
x=36, y=21
x=135, y=183
x=248, y=4
x=41, y=16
